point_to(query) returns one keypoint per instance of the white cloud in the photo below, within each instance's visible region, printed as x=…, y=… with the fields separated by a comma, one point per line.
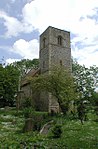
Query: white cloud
x=12, y=25
x=27, y=1
x=41, y=13
x=27, y=49
x=88, y=55
x=10, y=60
x=13, y=1
x=64, y=14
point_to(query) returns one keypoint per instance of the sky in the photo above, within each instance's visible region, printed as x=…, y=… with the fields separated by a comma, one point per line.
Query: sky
x=22, y=22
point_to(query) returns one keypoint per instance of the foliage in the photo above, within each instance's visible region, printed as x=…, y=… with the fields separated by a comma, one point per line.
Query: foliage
x=81, y=110
x=57, y=131
x=25, y=65
x=59, y=83
x=8, y=84
x=94, y=101
x=27, y=103
x=86, y=80
x=33, y=120
x=10, y=77
x=28, y=112
x=74, y=135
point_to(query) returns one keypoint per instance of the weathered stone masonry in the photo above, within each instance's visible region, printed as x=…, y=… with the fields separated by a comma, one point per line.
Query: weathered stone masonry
x=54, y=51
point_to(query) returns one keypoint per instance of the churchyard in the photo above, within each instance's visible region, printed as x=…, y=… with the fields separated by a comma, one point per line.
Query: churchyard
x=73, y=134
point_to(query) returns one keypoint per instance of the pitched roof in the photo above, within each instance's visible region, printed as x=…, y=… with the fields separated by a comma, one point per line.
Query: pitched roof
x=31, y=73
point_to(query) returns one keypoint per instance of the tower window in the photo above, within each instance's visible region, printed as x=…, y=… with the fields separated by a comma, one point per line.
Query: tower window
x=44, y=42
x=60, y=62
x=59, y=40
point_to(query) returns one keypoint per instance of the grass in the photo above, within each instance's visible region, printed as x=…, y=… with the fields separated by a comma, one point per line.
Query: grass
x=74, y=134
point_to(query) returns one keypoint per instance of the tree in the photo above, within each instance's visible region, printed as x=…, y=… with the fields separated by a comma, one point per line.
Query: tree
x=86, y=79
x=9, y=77
x=1, y=81
x=59, y=83
x=94, y=101
x=25, y=65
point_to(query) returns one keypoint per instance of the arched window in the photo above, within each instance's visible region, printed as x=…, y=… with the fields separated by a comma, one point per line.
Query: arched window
x=59, y=40
x=60, y=62
x=44, y=42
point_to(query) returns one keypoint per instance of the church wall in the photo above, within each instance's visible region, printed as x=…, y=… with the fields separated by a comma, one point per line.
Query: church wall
x=58, y=55
x=54, y=53
x=23, y=94
x=60, y=52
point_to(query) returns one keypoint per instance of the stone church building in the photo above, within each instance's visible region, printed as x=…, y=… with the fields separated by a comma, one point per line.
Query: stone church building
x=54, y=50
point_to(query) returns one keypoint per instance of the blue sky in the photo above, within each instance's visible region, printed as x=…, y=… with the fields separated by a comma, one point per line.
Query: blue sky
x=22, y=21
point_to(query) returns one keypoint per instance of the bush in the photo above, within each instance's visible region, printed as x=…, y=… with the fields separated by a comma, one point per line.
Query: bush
x=27, y=103
x=28, y=112
x=57, y=131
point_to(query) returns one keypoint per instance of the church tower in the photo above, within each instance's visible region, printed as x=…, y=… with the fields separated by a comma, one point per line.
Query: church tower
x=54, y=51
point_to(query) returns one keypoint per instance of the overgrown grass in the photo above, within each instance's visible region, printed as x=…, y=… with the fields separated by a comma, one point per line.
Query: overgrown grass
x=74, y=134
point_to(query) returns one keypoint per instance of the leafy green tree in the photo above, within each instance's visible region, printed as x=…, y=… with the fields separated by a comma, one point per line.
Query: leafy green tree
x=25, y=65
x=94, y=101
x=1, y=80
x=59, y=83
x=9, y=77
x=86, y=79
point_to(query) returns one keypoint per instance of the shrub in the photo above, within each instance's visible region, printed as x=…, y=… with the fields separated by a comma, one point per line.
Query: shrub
x=27, y=103
x=57, y=131
x=28, y=112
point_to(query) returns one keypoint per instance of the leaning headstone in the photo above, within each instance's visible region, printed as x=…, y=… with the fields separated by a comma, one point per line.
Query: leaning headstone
x=46, y=127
